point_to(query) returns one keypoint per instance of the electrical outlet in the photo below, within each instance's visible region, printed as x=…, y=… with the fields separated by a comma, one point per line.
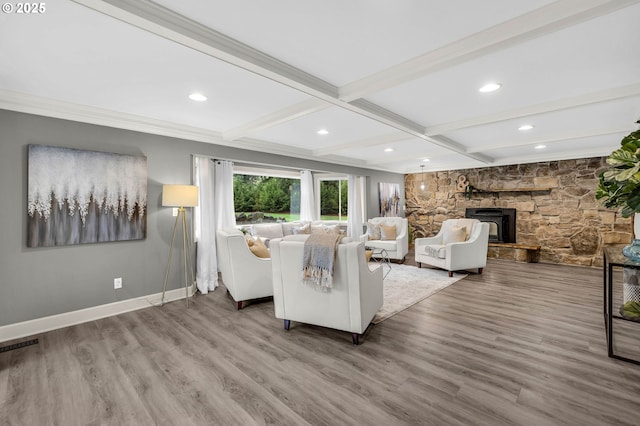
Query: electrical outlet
x=117, y=283
x=175, y=211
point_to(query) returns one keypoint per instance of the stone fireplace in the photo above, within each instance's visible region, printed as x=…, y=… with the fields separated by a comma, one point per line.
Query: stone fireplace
x=502, y=222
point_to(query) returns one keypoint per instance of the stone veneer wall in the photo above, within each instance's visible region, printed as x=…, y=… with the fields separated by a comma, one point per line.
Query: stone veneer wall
x=566, y=220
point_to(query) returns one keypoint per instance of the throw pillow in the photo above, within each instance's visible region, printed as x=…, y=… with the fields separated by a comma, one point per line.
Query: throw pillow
x=388, y=232
x=454, y=234
x=373, y=231
x=304, y=229
x=334, y=229
x=260, y=250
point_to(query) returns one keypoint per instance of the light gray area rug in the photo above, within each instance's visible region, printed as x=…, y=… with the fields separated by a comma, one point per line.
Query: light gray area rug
x=407, y=285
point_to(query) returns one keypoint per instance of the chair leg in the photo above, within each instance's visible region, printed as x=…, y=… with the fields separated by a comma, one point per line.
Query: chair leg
x=287, y=324
x=419, y=264
x=239, y=305
x=480, y=270
x=355, y=338
x=450, y=274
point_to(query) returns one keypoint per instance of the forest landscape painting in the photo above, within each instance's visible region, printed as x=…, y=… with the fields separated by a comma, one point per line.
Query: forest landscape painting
x=78, y=196
x=389, y=199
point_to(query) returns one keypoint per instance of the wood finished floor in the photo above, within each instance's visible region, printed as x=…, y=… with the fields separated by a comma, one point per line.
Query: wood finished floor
x=522, y=344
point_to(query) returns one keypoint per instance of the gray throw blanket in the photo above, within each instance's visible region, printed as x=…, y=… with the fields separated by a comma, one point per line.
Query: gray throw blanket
x=317, y=261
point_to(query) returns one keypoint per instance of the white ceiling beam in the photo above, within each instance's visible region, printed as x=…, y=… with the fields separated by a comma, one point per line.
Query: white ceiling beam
x=559, y=138
x=544, y=20
x=545, y=107
x=276, y=118
x=383, y=159
x=363, y=143
x=170, y=25
x=567, y=155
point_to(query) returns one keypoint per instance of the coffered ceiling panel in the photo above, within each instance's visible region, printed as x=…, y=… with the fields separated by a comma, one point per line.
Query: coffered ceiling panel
x=374, y=74
x=342, y=41
x=342, y=126
x=605, y=118
x=589, y=58
x=75, y=54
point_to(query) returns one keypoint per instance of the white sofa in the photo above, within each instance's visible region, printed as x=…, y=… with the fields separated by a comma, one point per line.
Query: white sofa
x=349, y=305
x=272, y=230
x=245, y=275
x=455, y=256
x=398, y=248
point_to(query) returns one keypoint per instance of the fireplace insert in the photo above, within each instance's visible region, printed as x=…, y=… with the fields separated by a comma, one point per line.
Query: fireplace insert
x=502, y=222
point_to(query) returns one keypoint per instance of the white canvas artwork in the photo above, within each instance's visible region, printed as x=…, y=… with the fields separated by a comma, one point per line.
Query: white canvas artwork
x=389, y=199
x=77, y=196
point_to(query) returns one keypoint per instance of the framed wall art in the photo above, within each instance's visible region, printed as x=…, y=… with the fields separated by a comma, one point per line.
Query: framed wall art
x=389, y=199
x=78, y=197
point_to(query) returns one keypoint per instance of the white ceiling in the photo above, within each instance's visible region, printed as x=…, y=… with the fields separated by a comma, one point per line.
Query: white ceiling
x=401, y=74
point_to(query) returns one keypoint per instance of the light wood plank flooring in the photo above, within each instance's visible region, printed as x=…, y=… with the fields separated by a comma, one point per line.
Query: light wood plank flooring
x=522, y=344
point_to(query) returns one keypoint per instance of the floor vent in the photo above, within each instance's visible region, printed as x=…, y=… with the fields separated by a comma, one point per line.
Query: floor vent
x=18, y=345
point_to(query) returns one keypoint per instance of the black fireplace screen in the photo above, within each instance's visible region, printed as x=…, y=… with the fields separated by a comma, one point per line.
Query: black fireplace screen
x=502, y=222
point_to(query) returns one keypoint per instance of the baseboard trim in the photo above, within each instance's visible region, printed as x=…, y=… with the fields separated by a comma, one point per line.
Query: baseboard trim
x=54, y=322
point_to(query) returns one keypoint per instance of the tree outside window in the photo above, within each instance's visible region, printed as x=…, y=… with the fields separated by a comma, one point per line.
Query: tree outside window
x=265, y=198
x=333, y=199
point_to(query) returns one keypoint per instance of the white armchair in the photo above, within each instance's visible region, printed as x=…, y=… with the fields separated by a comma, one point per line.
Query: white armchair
x=349, y=305
x=398, y=248
x=453, y=249
x=245, y=275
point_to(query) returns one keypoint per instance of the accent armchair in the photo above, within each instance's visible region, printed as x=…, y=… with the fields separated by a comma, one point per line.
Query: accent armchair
x=396, y=248
x=349, y=305
x=245, y=275
x=459, y=245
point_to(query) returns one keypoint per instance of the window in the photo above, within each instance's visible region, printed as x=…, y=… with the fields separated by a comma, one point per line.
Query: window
x=263, y=195
x=333, y=198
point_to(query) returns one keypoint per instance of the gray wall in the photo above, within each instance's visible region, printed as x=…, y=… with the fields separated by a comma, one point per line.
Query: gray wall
x=38, y=282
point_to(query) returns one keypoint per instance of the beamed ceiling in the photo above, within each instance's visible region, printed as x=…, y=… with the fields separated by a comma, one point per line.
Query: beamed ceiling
x=393, y=82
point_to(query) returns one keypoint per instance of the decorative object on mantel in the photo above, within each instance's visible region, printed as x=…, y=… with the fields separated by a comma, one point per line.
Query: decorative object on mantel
x=620, y=186
x=462, y=183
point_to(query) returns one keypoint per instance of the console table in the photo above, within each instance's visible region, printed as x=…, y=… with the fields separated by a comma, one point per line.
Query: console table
x=613, y=258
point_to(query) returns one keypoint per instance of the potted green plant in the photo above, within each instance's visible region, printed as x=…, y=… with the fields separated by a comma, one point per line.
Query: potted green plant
x=620, y=186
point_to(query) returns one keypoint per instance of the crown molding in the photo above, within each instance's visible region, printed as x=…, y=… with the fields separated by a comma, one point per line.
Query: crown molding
x=627, y=91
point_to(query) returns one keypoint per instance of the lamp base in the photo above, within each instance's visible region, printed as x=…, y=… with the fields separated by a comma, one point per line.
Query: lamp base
x=188, y=273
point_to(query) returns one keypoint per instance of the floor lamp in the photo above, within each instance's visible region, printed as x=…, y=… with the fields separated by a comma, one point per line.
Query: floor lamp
x=180, y=196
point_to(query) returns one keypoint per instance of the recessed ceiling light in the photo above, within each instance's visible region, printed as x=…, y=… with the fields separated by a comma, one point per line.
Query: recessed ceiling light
x=388, y=149
x=198, y=97
x=525, y=127
x=490, y=87
x=323, y=132
x=426, y=160
x=540, y=146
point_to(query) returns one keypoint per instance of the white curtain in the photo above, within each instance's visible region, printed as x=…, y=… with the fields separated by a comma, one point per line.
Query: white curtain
x=307, y=197
x=223, y=189
x=204, y=226
x=355, y=197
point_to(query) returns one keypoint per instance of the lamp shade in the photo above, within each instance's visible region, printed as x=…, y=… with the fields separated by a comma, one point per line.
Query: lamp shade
x=179, y=195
